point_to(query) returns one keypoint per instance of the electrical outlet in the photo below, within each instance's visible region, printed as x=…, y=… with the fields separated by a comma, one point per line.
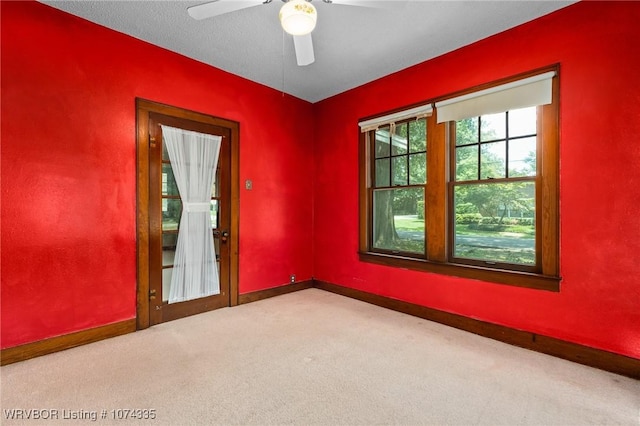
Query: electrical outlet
x=292, y=278
x=248, y=184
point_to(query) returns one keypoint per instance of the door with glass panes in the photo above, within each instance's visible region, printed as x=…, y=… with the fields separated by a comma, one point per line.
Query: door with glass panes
x=166, y=207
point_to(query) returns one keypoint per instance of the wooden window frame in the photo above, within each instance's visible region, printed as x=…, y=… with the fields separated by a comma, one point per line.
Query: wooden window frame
x=437, y=258
x=392, y=186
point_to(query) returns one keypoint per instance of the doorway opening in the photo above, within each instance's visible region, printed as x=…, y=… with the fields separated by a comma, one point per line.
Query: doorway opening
x=166, y=211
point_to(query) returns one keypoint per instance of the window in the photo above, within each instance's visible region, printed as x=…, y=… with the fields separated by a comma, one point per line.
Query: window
x=493, y=181
x=471, y=190
x=399, y=171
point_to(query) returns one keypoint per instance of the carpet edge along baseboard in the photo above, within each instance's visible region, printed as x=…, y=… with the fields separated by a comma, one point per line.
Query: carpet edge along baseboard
x=592, y=357
x=78, y=338
x=65, y=341
x=254, y=296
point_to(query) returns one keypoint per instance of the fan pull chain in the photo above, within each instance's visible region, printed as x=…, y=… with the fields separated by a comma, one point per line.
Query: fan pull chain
x=283, y=63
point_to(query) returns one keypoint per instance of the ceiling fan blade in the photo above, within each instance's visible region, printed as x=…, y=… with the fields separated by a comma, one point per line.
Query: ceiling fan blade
x=380, y=4
x=304, y=49
x=219, y=7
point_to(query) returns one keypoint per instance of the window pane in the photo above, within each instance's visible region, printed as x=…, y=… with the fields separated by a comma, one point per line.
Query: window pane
x=171, y=212
x=467, y=131
x=467, y=163
x=169, y=186
x=417, y=169
x=495, y=222
x=398, y=220
x=522, y=122
x=382, y=172
x=418, y=135
x=493, y=160
x=399, y=141
x=522, y=157
x=382, y=142
x=399, y=170
x=493, y=126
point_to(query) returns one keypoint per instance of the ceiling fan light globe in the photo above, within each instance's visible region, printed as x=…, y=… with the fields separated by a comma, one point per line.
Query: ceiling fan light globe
x=298, y=17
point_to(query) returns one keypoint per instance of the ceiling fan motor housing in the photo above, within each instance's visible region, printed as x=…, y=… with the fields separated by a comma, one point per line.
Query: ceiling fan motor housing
x=298, y=17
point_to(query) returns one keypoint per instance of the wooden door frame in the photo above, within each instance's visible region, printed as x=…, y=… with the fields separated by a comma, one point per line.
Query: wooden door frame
x=143, y=108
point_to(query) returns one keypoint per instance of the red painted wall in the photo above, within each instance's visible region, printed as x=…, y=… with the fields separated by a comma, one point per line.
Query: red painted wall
x=68, y=173
x=69, y=169
x=598, y=47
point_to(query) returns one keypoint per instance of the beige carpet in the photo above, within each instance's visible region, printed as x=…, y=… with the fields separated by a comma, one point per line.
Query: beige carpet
x=312, y=357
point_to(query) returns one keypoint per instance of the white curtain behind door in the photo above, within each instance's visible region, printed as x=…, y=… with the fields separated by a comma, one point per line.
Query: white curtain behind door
x=194, y=160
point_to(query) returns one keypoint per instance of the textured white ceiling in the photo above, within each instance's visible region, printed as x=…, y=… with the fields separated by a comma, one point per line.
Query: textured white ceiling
x=353, y=45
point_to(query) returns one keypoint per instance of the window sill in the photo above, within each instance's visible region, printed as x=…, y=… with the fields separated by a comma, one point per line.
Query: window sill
x=514, y=278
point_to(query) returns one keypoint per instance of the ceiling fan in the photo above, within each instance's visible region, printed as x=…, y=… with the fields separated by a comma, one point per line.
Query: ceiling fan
x=297, y=17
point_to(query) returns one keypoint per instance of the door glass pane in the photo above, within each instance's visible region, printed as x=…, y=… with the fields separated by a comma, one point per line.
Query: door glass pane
x=399, y=170
x=169, y=186
x=169, y=242
x=171, y=212
x=398, y=220
x=169, y=239
x=166, y=283
x=495, y=222
x=382, y=172
x=522, y=157
x=165, y=153
x=168, y=256
x=493, y=158
x=214, y=214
